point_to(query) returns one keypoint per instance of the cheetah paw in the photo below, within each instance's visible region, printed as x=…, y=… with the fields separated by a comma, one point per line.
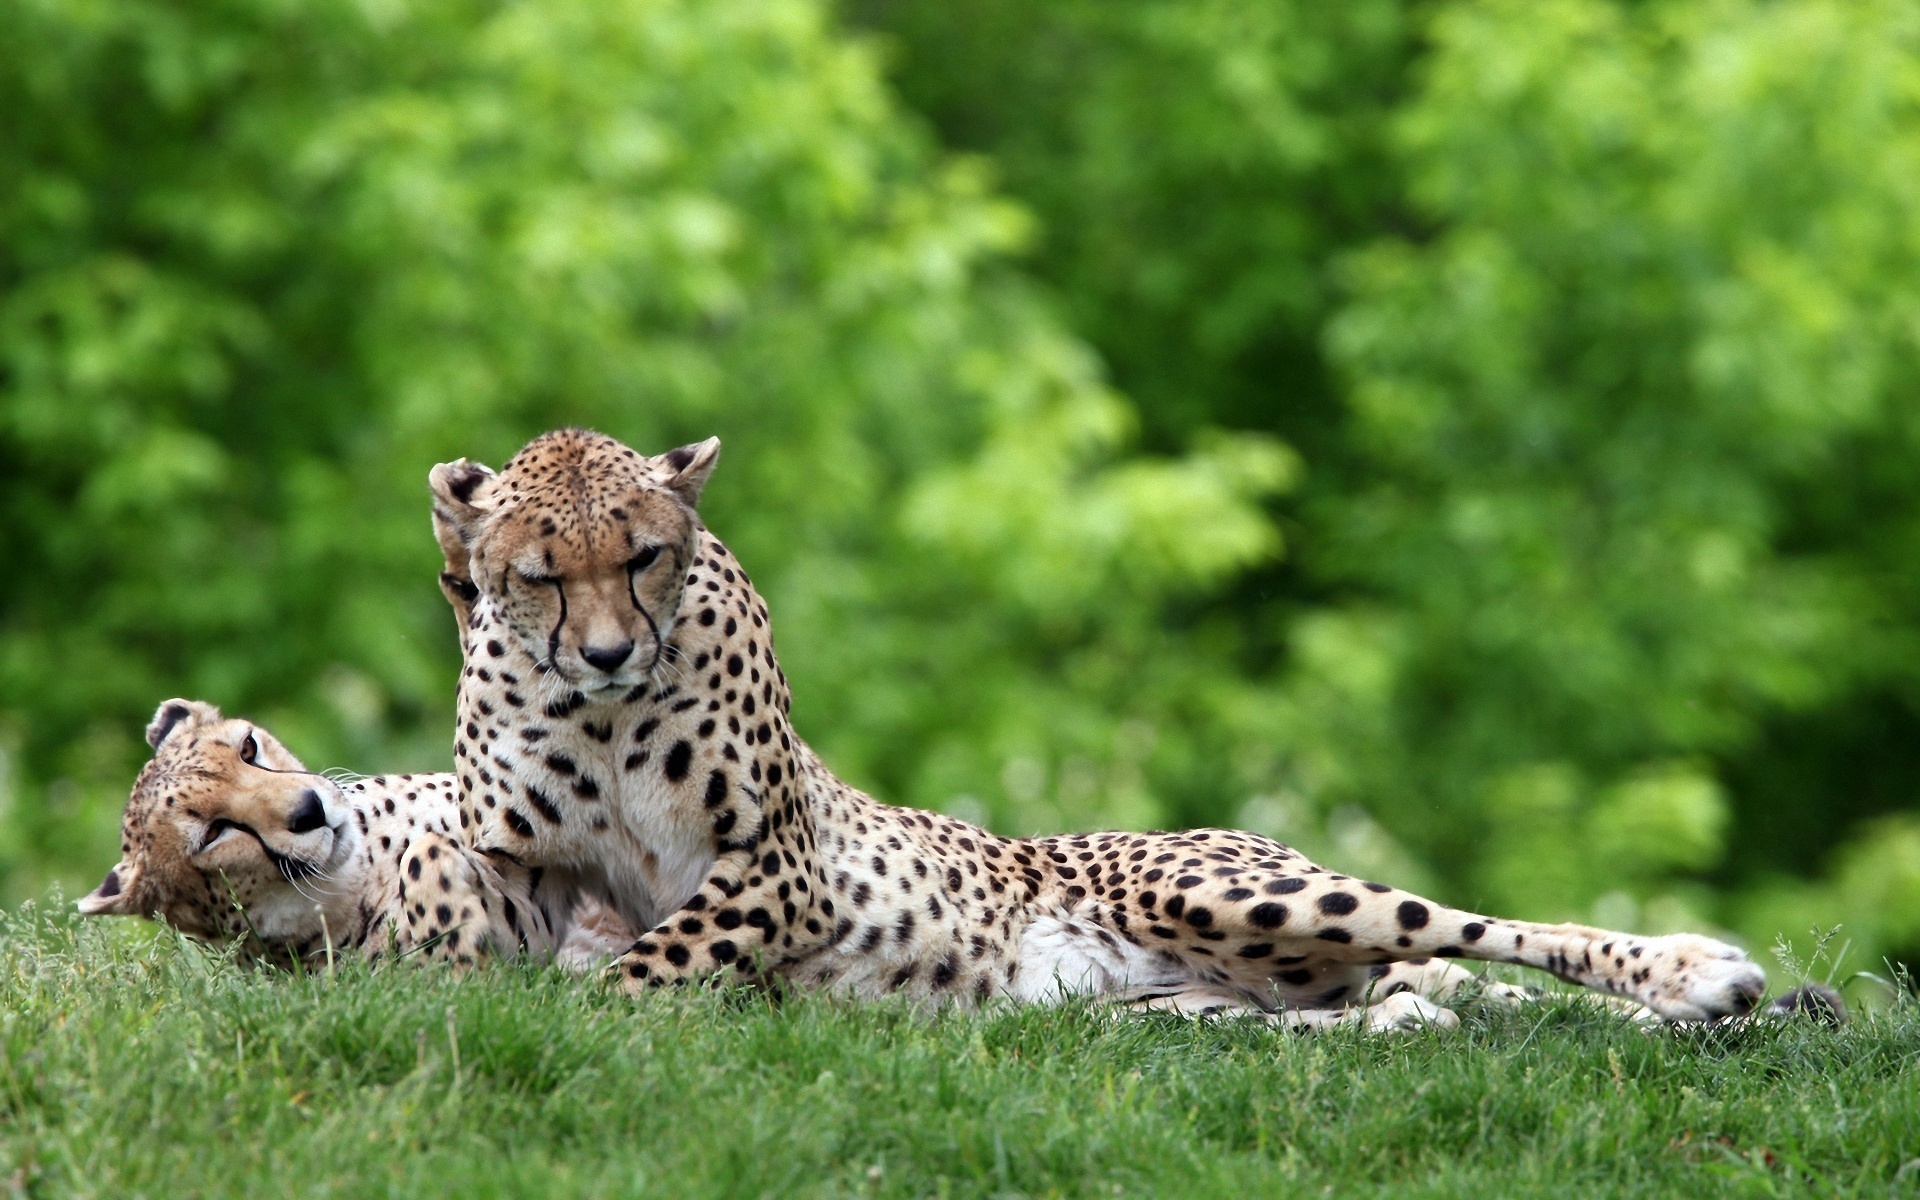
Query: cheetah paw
x=1406, y=1012
x=1700, y=979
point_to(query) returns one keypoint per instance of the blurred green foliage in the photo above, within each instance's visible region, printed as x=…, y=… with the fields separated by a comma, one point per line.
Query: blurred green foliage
x=1474, y=440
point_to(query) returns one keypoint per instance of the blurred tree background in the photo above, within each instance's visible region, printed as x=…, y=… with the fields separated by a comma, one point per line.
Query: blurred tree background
x=1474, y=440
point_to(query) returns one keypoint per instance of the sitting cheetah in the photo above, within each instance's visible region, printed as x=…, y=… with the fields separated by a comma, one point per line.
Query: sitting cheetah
x=623, y=722
x=228, y=838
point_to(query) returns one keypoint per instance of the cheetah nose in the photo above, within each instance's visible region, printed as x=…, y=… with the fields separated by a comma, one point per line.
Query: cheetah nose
x=608, y=659
x=308, y=815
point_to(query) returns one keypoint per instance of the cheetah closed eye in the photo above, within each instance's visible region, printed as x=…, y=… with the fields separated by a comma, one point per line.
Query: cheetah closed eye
x=623, y=721
x=228, y=838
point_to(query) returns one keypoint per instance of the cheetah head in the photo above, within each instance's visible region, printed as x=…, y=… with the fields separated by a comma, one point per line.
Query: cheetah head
x=580, y=545
x=226, y=833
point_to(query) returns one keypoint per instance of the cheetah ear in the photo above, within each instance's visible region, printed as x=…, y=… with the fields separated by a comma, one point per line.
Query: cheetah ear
x=692, y=466
x=174, y=713
x=114, y=896
x=462, y=497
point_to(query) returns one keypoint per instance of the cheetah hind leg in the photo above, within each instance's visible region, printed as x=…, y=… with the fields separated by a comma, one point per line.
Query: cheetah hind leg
x=1444, y=983
x=1403, y=1011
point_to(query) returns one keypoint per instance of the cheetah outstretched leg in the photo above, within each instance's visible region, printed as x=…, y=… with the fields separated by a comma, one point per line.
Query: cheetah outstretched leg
x=1244, y=911
x=1304, y=930
x=1679, y=977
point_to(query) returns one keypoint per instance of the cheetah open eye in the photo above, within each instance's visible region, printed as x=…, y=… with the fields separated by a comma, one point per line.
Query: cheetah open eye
x=644, y=559
x=250, y=750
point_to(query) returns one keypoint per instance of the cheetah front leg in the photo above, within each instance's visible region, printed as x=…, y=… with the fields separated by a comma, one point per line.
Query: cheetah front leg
x=756, y=911
x=455, y=907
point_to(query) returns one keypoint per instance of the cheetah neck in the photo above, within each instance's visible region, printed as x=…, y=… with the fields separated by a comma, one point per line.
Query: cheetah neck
x=665, y=775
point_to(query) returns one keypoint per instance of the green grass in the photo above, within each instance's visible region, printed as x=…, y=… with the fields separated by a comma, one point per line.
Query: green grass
x=139, y=1065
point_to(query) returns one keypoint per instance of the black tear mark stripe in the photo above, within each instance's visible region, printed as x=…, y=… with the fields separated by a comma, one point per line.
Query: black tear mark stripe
x=553, y=639
x=633, y=594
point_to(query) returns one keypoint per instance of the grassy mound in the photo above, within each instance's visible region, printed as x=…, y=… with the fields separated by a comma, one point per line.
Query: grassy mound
x=133, y=1064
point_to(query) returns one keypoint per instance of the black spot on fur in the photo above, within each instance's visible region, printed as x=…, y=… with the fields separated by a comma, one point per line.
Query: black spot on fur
x=1337, y=904
x=943, y=973
x=678, y=760
x=542, y=804
x=1268, y=915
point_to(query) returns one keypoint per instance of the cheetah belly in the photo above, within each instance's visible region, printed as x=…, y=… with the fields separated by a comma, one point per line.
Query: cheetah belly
x=1064, y=953
x=903, y=950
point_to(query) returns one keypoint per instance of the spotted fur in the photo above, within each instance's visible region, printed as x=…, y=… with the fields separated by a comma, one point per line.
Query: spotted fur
x=227, y=837
x=623, y=722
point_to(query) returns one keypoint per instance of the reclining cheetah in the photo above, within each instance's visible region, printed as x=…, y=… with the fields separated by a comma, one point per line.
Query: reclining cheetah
x=623, y=722
x=227, y=837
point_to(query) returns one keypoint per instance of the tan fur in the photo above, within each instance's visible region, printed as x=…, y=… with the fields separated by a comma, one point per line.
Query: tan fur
x=672, y=784
x=215, y=842
x=570, y=573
